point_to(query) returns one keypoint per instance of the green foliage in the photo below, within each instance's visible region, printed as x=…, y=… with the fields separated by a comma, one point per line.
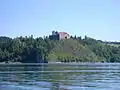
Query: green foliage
x=75, y=49
x=71, y=50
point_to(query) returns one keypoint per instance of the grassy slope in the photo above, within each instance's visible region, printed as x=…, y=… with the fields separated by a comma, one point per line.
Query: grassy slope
x=70, y=48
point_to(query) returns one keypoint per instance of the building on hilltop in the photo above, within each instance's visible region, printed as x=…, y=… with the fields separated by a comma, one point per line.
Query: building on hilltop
x=59, y=35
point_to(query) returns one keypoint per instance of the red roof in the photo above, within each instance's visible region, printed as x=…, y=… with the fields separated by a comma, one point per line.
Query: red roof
x=63, y=33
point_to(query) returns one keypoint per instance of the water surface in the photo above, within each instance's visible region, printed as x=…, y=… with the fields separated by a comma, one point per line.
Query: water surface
x=83, y=76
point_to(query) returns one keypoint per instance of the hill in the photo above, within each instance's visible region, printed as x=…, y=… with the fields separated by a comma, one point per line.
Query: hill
x=70, y=50
x=74, y=49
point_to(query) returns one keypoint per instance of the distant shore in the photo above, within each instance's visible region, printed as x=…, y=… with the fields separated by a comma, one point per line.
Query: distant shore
x=58, y=63
x=71, y=50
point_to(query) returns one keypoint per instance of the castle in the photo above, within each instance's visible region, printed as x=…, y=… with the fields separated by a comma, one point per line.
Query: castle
x=59, y=35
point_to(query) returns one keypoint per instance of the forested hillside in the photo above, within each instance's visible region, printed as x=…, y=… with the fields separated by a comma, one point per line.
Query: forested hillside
x=74, y=49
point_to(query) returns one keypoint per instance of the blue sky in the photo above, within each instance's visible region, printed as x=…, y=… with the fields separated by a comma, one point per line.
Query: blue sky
x=99, y=19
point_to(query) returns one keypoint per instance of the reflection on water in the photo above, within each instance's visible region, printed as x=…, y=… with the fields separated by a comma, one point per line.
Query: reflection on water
x=60, y=76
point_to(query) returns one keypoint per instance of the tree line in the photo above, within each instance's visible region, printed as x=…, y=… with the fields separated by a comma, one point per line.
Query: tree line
x=23, y=49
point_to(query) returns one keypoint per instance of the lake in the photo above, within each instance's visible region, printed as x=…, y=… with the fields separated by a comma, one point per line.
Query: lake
x=58, y=76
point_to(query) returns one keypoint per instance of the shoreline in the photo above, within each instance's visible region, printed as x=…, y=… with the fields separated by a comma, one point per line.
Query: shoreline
x=60, y=63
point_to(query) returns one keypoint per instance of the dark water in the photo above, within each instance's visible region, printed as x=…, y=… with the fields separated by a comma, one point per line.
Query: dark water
x=60, y=76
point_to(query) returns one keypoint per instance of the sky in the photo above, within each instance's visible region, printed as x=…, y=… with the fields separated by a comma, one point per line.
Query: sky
x=99, y=19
